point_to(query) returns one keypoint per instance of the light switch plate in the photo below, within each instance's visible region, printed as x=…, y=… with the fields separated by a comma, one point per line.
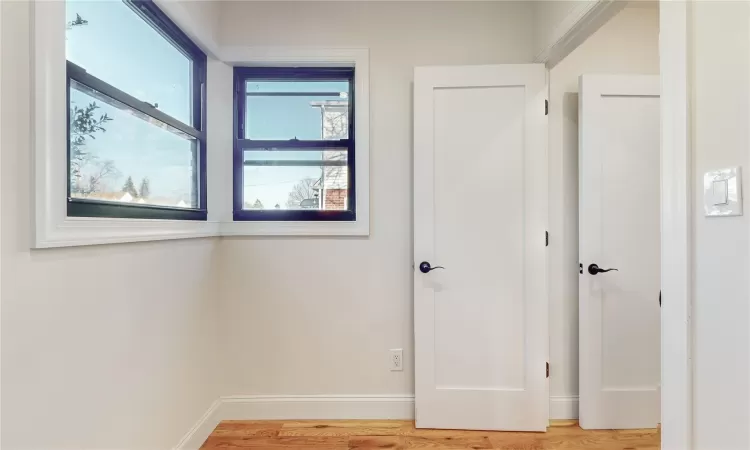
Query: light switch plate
x=722, y=192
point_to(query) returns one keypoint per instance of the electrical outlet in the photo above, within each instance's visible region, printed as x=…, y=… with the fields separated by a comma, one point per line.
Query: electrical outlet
x=397, y=360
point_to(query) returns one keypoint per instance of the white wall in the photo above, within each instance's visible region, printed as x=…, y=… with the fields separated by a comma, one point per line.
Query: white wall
x=720, y=104
x=628, y=43
x=102, y=347
x=318, y=315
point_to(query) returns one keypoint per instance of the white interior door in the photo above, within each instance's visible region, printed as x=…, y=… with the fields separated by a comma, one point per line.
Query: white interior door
x=480, y=208
x=619, y=228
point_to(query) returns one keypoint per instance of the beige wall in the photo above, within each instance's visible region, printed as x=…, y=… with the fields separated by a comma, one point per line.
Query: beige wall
x=105, y=346
x=318, y=315
x=720, y=103
x=628, y=43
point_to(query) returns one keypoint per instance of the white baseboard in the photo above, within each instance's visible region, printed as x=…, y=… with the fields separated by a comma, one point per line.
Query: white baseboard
x=291, y=407
x=281, y=407
x=197, y=435
x=563, y=407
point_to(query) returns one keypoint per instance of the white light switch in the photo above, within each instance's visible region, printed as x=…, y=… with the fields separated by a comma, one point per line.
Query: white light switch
x=722, y=192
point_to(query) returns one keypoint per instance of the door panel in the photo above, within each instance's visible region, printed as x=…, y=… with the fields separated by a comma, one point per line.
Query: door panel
x=619, y=227
x=470, y=177
x=480, y=209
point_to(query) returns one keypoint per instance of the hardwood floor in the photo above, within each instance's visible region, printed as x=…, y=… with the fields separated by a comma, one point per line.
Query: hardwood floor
x=397, y=434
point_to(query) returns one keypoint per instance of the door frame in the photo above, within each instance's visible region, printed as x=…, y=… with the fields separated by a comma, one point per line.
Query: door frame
x=676, y=228
x=676, y=216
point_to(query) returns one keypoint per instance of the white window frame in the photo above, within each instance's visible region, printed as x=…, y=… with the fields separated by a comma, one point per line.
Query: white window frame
x=307, y=57
x=52, y=226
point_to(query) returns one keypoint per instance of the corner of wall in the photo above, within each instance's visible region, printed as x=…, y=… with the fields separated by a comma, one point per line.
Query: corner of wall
x=198, y=19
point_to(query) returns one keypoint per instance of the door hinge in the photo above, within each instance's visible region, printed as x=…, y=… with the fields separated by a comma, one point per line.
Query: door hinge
x=546, y=238
x=546, y=107
x=547, y=370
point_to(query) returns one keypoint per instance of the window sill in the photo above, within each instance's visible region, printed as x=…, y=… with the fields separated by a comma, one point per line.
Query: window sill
x=75, y=231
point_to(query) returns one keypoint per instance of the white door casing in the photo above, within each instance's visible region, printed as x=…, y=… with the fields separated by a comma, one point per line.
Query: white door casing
x=480, y=210
x=619, y=227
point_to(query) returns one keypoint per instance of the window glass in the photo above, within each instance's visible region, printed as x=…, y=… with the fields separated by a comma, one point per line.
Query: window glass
x=117, y=156
x=295, y=155
x=306, y=172
x=113, y=43
x=288, y=187
x=309, y=110
x=292, y=180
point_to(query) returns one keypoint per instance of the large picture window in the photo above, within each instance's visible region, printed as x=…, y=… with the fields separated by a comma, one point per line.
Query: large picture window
x=294, y=144
x=136, y=114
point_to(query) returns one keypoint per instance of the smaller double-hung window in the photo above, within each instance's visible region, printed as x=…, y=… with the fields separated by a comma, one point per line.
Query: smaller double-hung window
x=136, y=113
x=294, y=144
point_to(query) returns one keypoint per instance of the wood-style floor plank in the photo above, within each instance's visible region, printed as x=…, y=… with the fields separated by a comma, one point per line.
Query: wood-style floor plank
x=279, y=442
x=377, y=442
x=448, y=442
x=243, y=428
x=346, y=428
x=396, y=435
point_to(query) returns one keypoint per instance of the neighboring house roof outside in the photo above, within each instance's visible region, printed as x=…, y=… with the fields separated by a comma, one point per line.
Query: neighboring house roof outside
x=126, y=197
x=309, y=203
x=107, y=196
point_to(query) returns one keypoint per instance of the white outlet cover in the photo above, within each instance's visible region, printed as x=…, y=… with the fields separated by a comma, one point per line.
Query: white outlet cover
x=396, y=353
x=722, y=192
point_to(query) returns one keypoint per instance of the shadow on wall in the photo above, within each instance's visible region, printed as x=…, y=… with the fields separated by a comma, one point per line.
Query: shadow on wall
x=570, y=110
x=570, y=137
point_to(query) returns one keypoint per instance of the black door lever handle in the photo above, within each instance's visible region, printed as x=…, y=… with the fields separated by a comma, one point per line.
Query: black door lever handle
x=594, y=269
x=425, y=267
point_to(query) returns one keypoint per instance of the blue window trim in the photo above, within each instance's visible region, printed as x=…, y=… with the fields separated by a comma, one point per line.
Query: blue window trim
x=151, y=14
x=241, y=76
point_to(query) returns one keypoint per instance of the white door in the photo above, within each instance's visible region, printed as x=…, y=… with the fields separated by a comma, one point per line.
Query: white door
x=619, y=218
x=480, y=208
